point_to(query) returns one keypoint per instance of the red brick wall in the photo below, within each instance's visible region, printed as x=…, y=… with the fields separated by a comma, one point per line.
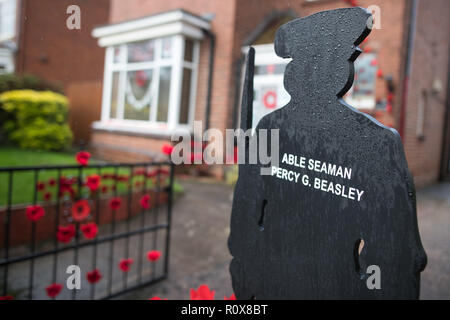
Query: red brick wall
x=430, y=63
x=48, y=49
x=85, y=107
x=124, y=147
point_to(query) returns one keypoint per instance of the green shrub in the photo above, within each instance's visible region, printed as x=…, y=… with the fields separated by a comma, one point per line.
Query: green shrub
x=36, y=119
x=10, y=81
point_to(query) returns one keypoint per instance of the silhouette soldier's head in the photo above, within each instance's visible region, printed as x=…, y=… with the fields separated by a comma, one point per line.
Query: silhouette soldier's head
x=323, y=47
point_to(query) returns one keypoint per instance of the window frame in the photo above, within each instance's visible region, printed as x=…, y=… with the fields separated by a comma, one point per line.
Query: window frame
x=177, y=64
x=4, y=36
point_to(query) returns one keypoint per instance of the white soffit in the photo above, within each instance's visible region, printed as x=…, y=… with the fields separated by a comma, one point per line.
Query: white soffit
x=160, y=25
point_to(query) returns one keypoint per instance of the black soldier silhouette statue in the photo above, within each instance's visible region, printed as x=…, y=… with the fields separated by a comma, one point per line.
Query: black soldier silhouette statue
x=336, y=217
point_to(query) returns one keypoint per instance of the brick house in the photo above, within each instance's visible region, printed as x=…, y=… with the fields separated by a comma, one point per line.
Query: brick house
x=152, y=67
x=165, y=47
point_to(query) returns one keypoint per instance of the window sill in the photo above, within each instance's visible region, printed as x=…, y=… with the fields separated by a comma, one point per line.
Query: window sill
x=143, y=131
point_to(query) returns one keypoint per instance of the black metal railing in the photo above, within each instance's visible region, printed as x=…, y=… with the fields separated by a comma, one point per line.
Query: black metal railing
x=36, y=250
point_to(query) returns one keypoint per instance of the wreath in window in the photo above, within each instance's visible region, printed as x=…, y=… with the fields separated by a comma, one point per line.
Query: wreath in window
x=139, y=85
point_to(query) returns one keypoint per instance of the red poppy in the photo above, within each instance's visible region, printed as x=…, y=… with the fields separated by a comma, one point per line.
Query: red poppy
x=94, y=276
x=232, y=297
x=389, y=108
x=80, y=210
x=137, y=184
x=35, y=212
x=89, y=230
x=390, y=97
x=380, y=73
x=47, y=196
x=83, y=157
x=163, y=172
x=52, y=182
x=7, y=297
x=152, y=173
x=104, y=189
x=145, y=201
x=115, y=203
x=367, y=49
x=153, y=255
x=122, y=177
x=65, y=234
x=125, y=264
x=139, y=172
x=54, y=289
x=113, y=187
x=203, y=293
x=66, y=186
x=156, y=298
x=93, y=182
x=167, y=149
x=40, y=185
x=69, y=190
x=105, y=176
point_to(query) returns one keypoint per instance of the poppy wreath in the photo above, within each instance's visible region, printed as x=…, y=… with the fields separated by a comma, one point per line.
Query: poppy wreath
x=80, y=210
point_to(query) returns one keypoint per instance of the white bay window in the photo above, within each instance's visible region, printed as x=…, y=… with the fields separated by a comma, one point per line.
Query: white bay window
x=151, y=67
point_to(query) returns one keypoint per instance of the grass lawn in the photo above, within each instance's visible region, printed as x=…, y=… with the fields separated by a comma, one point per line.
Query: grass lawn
x=24, y=182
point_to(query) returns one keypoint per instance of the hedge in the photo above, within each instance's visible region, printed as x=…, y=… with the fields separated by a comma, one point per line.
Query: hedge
x=36, y=119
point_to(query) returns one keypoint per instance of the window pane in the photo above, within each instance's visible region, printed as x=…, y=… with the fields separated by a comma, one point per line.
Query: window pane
x=138, y=95
x=117, y=55
x=185, y=96
x=188, y=50
x=164, y=92
x=7, y=18
x=114, y=95
x=141, y=51
x=166, y=50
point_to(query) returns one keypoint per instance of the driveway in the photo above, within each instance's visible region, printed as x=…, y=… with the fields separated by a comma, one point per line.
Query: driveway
x=199, y=252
